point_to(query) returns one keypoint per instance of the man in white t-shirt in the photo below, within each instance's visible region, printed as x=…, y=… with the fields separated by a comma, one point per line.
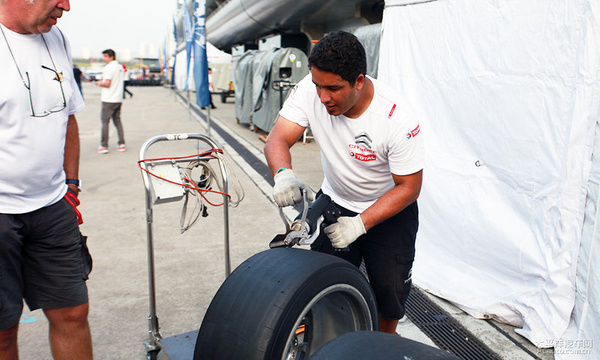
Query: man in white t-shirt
x=43, y=257
x=112, y=84
x=372, y=155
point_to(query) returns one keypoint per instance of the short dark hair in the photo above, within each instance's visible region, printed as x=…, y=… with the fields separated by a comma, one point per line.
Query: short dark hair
x=111, y=53
x=340, y=53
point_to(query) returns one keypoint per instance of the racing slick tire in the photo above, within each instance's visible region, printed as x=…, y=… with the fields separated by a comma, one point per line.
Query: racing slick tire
x=285, y=303
x=375, y=345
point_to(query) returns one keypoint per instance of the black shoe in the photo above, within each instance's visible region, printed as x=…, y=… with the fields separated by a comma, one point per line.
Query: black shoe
x=213, y=107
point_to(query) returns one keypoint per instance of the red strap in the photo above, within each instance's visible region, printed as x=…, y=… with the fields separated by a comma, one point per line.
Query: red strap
x=74, y=201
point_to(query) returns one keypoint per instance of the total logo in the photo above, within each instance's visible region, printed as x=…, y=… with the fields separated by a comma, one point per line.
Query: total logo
x=413, y=133
x=362, y=143
x=363, y=157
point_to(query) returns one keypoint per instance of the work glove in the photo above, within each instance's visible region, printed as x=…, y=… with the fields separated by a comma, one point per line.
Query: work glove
x=345, y=231
x=288, y=189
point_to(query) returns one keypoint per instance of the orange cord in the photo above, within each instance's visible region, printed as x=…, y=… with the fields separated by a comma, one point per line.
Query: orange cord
x=193, y=186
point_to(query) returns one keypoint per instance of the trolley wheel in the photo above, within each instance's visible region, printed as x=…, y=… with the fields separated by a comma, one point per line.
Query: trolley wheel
x=152, y=355
x=375, y=345
x=285, y=303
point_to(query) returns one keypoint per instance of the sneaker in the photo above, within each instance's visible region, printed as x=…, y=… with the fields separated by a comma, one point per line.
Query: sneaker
x=121, y=147
x=102, y=150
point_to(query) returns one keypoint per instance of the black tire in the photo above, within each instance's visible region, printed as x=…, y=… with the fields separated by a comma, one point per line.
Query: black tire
x=258, y=309
x=375, y=345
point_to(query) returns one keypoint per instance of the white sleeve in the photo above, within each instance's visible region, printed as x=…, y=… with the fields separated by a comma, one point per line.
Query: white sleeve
x=407, y=150
x=75, y=101
x=109, y=71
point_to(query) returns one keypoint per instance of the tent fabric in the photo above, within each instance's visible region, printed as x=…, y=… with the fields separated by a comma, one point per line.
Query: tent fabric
x=222, y=75
x=508, y=96
x=182, y=77
x=584, y=328
x=214, y=55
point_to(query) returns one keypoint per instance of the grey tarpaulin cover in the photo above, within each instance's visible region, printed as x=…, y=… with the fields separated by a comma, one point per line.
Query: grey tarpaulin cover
x=279, y=66
x=370, y=36
x=242, y=81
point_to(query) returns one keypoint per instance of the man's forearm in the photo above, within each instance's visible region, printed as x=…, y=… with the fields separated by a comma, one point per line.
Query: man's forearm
x=281, y=138
x=104, y=83
x=278, y=156
x=71, y=161
x=393, y=201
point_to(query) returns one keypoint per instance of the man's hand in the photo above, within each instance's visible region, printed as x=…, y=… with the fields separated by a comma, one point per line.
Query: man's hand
x=345, y=231
x=288, y=189
x=74, y=189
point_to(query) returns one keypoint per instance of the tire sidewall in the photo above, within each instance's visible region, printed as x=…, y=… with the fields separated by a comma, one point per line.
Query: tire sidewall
x=346, y=274
x=254, y=311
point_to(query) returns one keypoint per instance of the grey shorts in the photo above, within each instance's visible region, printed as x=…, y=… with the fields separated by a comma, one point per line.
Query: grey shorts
x=43, y=259
x=388, y=250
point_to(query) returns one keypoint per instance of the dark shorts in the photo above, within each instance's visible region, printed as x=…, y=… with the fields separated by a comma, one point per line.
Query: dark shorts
x=43, y=259
x=388, y=250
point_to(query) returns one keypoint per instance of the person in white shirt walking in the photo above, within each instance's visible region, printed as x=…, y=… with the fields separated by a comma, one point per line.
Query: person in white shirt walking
x=112, y=84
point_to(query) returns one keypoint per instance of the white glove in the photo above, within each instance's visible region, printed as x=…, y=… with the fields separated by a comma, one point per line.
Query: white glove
x=345, y=231
x=288, y=189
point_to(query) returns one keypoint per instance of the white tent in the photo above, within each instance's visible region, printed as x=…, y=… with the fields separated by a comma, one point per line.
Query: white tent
x=216, y=56
x=509, y=97
x=213, y=55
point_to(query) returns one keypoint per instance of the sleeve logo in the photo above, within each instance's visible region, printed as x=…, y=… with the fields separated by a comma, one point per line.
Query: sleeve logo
x=413, y=133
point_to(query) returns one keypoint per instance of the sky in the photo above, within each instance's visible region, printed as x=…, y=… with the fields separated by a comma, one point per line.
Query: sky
x=117, y=24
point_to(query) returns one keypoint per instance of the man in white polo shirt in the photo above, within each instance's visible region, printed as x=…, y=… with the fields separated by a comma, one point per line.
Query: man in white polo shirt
x=112, y=97
x=372, y=154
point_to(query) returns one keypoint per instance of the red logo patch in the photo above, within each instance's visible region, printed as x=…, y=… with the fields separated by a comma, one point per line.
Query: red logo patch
x=363, y=157
x=414, y=132
x=392, y=111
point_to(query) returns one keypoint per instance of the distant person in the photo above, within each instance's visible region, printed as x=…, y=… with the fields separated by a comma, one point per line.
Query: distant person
x=127, y=76
x=112, y=98
x=77, y=74
x=211, y=88
x=42, y=253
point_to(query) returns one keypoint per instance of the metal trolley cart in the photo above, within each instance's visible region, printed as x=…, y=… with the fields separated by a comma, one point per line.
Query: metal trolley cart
x=164, y=182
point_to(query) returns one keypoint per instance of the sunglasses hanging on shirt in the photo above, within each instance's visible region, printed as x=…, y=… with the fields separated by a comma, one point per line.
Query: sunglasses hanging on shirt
x=57, y=76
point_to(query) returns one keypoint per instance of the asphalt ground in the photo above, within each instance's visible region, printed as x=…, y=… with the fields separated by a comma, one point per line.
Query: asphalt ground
x=190, y=267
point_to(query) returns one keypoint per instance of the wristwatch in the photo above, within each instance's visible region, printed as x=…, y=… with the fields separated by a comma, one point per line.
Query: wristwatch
x=75, y=182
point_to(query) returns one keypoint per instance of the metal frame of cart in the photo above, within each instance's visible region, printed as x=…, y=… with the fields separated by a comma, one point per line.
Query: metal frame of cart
x=153, y=343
